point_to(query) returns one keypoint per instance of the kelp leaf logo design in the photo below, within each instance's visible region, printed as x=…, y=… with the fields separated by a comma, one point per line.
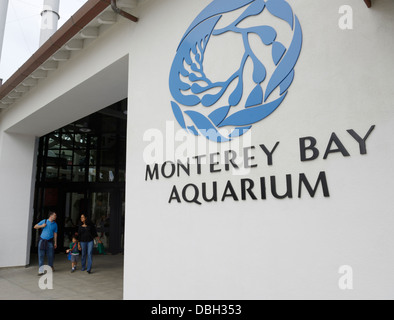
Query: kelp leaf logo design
x=190, y=88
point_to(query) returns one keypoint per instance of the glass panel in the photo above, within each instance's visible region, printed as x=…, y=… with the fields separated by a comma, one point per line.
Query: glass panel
x=52, y=156
x=41, y=174
x=78, y=174
x=122, y=175
x=92, y=174
x=123, y=126
x=51, y=173
x=101, y=215
x=81, y=141
x=76, y=204
x=54, y=141
x=108, y=124
x=80, y=158
x=122, y=154
x=65, y=174
x=67, y=157
x=67, y=141
x=108, y=156
x=107, y=174
x=93, y=157
x=50, y=198
x=93, y=142
x=108, y=149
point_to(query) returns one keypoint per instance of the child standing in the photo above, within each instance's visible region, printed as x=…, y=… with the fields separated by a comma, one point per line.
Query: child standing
x=74, y=251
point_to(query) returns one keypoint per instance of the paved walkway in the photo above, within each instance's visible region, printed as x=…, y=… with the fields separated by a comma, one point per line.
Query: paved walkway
x=104, y=283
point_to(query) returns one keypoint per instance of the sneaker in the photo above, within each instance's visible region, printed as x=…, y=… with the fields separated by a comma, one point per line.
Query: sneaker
x=72, y=270
x=40, y=272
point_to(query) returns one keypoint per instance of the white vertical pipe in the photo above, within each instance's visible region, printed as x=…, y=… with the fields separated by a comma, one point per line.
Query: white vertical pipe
x=50, y=18
x=3, y=18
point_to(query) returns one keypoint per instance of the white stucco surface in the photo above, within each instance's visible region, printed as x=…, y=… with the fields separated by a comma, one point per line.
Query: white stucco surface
x=263, y=249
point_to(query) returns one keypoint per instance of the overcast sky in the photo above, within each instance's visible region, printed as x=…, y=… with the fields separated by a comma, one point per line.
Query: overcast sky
x=22, y=31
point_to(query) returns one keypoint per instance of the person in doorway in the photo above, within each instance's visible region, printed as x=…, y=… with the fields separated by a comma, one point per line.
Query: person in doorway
x=86, y=235
x=75, y=247
x=48, y=241
x=100, y=225
x=69, y=228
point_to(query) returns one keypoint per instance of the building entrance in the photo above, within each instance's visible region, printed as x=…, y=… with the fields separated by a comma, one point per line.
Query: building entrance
x=81, y=170
x=107, y=207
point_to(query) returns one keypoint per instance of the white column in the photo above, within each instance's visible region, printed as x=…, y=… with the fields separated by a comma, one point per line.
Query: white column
x=17, y=167
x=50, y=18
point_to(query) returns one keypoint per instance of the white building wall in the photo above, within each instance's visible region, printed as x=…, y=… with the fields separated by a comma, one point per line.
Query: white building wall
x=257, y=249
x=16, y=171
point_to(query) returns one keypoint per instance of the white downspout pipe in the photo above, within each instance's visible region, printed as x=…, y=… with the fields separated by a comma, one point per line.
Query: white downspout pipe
x=50, y=18
x=3, y=18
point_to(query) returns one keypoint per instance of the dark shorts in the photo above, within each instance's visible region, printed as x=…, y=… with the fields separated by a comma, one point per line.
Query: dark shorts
x=74, y=258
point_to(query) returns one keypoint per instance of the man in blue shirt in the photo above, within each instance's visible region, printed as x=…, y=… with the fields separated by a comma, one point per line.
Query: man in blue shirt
x=48, y=241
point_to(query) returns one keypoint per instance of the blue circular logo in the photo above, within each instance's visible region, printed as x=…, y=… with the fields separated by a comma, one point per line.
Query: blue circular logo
x=193, y=91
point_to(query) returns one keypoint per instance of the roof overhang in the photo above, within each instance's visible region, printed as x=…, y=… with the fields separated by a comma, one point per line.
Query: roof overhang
x=84, y=24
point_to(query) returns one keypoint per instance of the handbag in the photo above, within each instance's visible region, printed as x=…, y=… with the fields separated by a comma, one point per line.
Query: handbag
x=69, y=254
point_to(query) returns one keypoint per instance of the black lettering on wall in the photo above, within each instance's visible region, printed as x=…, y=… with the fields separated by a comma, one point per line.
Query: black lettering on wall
x=289, y=189
x=247, y=189
x=152, y=173
x=320, y=180
x=228, y=159
x=196, y=194
x=172, y=170
x=186, y=168
x=247, y=158
x=340, y=147
x=212, y=163
x=269, y=153
x=361, y=141
x=311, y=148
x=214, y=196
x=174, y=195
x=229, y=192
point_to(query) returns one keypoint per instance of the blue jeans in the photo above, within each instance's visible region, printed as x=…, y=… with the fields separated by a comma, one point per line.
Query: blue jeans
x=87, y=250
x=49, y=251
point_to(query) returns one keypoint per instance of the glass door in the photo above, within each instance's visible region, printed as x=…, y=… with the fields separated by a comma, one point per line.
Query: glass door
x=101, y=215
x=104, y=205
x=107, y=214
x=75, y=204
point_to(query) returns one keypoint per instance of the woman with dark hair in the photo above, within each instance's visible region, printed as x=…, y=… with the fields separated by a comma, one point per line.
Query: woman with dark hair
x=86, y=235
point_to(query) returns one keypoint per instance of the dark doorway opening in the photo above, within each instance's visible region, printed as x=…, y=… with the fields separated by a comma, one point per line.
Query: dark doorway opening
x=81, y=170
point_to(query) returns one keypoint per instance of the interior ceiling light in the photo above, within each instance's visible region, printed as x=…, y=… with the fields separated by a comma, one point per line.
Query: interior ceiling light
x=85, y=128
